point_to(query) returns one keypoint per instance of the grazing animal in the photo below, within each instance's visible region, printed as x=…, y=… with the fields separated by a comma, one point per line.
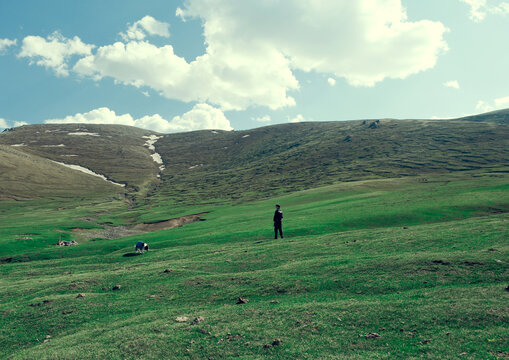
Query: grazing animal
x=141, y=246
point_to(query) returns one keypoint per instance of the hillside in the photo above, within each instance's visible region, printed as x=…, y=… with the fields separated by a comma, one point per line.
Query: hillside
x=378, y=269
x=210, y=165
x=115, y=151
x=283, y=158
x=24, y=176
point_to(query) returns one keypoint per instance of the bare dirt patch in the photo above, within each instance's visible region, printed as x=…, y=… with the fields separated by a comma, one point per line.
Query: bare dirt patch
x=110, y=232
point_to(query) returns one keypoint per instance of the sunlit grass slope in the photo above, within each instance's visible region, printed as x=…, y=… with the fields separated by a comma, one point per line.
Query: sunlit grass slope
x=422, y=263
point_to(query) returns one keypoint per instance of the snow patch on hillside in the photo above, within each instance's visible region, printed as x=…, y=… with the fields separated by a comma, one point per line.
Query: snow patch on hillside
x=151, y=140
x=83, y=133
x=53, y=146
x=89, y=172
x=17, y=145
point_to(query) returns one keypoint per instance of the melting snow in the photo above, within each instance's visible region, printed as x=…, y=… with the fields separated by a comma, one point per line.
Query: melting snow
x=245, y=136
x=195, y=166
x=89, y=172
x=151, y=140
x=83, y=133
x=69, y=155
x=51, y=146
x=214, y=132
x=22, y=144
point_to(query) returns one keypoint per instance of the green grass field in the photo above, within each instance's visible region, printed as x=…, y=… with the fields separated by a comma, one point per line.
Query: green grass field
x=423, y=263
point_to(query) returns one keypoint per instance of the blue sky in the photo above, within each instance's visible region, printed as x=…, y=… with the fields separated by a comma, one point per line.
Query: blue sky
x=171, y=65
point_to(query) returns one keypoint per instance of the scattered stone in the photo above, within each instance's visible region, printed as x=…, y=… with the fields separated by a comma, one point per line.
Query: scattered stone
x=198, y=320
x=426, y=341
x=447, y=333
x=67, y=243
x=104, y=289
x=348, y=138
x=492, y=249
x=374, y=125
x=66, y=312
x=405, y=227
x=499, y=261
x=181, y=319
x=231, y=337
x=80, y=295
x=247, y=343
x=167, y=271
x=463, y=354
x=372, y=336
x=507, y=288
x=241, y=300
x=116, y=287
x=277, y=342
x=267, y=346
x=228, y=261
x=274, y=302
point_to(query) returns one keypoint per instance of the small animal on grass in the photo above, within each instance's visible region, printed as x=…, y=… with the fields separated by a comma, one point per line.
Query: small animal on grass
x=141, y=246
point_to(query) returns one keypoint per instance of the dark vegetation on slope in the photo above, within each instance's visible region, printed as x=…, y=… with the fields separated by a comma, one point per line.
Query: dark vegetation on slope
x=283, y=158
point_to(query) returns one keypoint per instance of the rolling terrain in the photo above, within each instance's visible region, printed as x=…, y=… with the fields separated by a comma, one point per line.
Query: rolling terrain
x=395, y=242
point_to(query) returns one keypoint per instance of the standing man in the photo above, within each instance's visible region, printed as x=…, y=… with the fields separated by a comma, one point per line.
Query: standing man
x=278, y=226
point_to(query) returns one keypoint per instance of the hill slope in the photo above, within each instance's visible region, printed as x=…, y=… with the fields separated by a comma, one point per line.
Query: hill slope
x=115, y=151
x=207, y=165
x=281, y=158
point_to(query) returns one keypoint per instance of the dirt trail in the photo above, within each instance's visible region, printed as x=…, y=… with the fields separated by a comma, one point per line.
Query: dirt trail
x=115, y=232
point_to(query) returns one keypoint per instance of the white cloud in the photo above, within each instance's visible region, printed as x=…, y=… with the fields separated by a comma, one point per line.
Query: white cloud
x=4, y=124
x=146, y=26
x=479, y=9
x=201, y=116
x=331, y=81
x=262, y=119
x=497, y=104
x=452, y=84
x=53, y=52
x=253, y=47
x=297, y=119
x=5, y=43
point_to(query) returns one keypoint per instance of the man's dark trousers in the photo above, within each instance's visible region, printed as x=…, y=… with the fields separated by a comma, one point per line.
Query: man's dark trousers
x=278, y=226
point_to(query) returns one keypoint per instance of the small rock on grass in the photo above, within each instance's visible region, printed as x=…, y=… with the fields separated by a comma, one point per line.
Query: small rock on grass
x=116, y=287
x=274, y=302
x=198, y=320
x=80, y=295
x=277, y=342
x=426, y=341
x=167, y=271
x=242, y=300
x=372, y=336
x=507, y=288
x=181, y=319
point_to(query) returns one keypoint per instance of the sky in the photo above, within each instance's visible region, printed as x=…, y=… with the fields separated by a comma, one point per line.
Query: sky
x=182, y=65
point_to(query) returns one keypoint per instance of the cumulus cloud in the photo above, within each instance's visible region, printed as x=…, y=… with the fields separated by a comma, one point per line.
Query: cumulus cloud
x=5, y=43
x=262, y=119
x=146, y=26
x=253, y=48
x=4, y=124
x=331, y=81
x=53, y=52
x=452, y=84
x=479, y=9
x=297, y=119
x=201, y=116
x=497, y=104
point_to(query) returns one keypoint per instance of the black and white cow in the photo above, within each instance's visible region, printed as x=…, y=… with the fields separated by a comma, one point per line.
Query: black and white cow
x=141, y=246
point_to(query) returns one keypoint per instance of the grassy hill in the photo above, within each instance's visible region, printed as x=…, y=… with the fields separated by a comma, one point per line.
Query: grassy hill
x=378, y=269
x=395, y=242
x=284, y=158
x=24, y=177
x=115, y=151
